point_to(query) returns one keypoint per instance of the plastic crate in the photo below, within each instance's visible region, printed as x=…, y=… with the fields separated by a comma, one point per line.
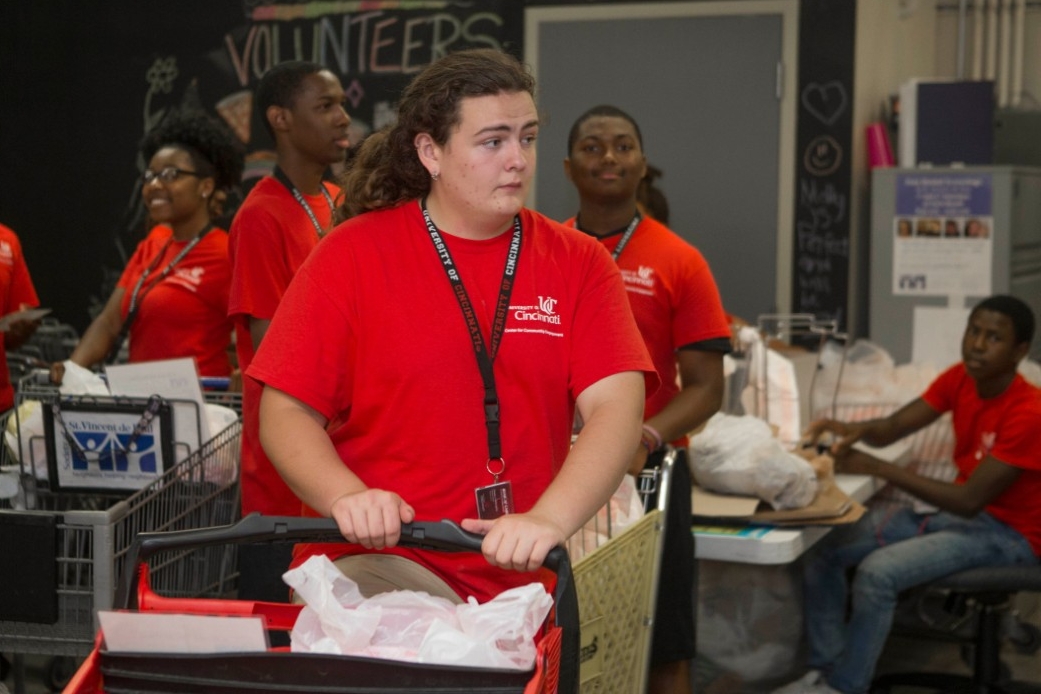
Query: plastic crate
x=94, y=533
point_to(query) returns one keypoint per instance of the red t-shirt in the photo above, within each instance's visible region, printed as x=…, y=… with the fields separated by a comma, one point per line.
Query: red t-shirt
x=674, y=298
x=16, y=288
x=185, y=313
x=270, y=238
x=1005, y=427
x=370, y=334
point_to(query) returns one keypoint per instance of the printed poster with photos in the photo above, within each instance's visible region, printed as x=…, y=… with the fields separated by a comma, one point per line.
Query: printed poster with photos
x=106, y=446
x=942, y=234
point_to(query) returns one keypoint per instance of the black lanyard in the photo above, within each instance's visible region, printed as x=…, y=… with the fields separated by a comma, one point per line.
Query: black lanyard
x=135, y=299
x=281, y=177
x=485, y=357
x=626, y=235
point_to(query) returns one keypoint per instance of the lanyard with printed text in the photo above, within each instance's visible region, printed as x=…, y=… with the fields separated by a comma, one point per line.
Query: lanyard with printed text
x=135, y=299
x=281, y=177
x=502, y=503
x=626, y=235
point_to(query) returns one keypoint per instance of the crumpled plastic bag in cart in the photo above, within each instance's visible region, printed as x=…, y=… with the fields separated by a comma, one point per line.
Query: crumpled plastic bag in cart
x=739, y=455
x=78, y=380
x=412, y=625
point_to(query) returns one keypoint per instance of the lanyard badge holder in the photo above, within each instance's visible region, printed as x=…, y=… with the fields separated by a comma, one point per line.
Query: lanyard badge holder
x=495, y=499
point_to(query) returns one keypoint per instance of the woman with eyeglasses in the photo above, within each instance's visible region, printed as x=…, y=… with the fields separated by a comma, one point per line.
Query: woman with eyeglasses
x=172, y=297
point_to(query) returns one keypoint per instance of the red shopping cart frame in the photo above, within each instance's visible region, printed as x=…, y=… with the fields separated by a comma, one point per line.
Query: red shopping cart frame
x=556, y=668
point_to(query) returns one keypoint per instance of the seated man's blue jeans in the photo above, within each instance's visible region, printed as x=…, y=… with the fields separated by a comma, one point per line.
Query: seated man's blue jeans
x=895, y=549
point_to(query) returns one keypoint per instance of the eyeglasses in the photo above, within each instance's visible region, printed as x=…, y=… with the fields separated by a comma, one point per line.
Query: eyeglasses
x=168, y=174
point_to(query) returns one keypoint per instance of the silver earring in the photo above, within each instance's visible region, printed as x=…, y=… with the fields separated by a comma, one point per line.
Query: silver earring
x=434, y=175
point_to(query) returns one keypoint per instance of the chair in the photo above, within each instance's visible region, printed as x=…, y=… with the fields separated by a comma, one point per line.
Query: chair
x=987, y=591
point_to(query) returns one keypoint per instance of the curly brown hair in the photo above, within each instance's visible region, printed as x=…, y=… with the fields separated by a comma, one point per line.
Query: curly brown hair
x=386, y=170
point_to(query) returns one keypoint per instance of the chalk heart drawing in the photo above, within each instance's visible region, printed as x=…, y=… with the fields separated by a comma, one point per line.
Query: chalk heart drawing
x=825, y=101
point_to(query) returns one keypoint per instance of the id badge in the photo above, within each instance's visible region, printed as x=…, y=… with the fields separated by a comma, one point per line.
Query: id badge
x=494, y=500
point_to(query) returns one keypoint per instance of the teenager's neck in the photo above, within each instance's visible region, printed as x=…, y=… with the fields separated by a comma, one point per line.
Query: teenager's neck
x=188, y=229
x=303, y=172
x=464, y=226
x=602, y=219
x=993, y=387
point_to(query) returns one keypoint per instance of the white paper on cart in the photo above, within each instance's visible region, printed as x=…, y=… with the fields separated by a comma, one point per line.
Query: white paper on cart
x=173, y=379
x=412, y=625
x=157, y=632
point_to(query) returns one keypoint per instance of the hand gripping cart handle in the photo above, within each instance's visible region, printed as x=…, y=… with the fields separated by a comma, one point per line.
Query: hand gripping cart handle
x=556, y=668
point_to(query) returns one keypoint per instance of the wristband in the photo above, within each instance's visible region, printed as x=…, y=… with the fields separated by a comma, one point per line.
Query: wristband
x=655, y=437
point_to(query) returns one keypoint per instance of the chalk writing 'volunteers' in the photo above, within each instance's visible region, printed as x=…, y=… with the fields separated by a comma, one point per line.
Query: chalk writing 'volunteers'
x=377, y=42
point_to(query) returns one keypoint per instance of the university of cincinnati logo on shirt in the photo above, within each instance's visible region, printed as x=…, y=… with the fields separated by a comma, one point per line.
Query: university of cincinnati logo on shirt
x=987, y=441
x=6, y=254
x=640, y=280
x=544, y=312
x=188, y=277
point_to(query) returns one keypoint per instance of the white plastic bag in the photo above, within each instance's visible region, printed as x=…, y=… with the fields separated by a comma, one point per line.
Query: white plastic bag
x=80, y=381
x=739, y=455
x=25, y=438
x=414, y=626
x=774, y=395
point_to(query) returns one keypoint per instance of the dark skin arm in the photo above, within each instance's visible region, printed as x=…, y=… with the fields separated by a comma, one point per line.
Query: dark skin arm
x=990, y=478
x=19, y=332
x=700, y=397
x=257, y=329
x=876, y=432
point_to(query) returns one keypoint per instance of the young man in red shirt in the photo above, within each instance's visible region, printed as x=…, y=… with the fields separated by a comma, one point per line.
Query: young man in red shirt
x=989, y=515
x=279, y=223
x=678, y=310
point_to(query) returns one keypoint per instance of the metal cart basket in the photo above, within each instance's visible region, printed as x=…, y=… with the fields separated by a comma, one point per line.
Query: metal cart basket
x=281, y=670
x=617, y=585
x=68, y=549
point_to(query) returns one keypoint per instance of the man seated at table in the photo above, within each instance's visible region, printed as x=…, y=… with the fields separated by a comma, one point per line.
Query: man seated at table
x=988, y=516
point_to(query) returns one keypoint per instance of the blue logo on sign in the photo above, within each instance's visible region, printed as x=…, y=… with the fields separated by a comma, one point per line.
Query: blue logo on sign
x=112, y=452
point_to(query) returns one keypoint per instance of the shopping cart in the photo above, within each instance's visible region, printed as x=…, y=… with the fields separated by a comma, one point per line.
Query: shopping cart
x=617, y=585
x=281, y=670
x=71, y=546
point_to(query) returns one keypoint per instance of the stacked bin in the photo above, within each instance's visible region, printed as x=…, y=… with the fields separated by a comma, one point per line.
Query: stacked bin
x=92, y=532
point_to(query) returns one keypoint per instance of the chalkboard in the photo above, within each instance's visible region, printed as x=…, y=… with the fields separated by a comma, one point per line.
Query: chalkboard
x=823, y=146
x=83, y=81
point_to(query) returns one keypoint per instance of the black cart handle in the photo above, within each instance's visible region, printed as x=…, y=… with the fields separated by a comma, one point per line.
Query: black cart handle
x=443, y=536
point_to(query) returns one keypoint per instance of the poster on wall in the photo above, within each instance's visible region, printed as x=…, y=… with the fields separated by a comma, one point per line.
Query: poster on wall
x=942, y=234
